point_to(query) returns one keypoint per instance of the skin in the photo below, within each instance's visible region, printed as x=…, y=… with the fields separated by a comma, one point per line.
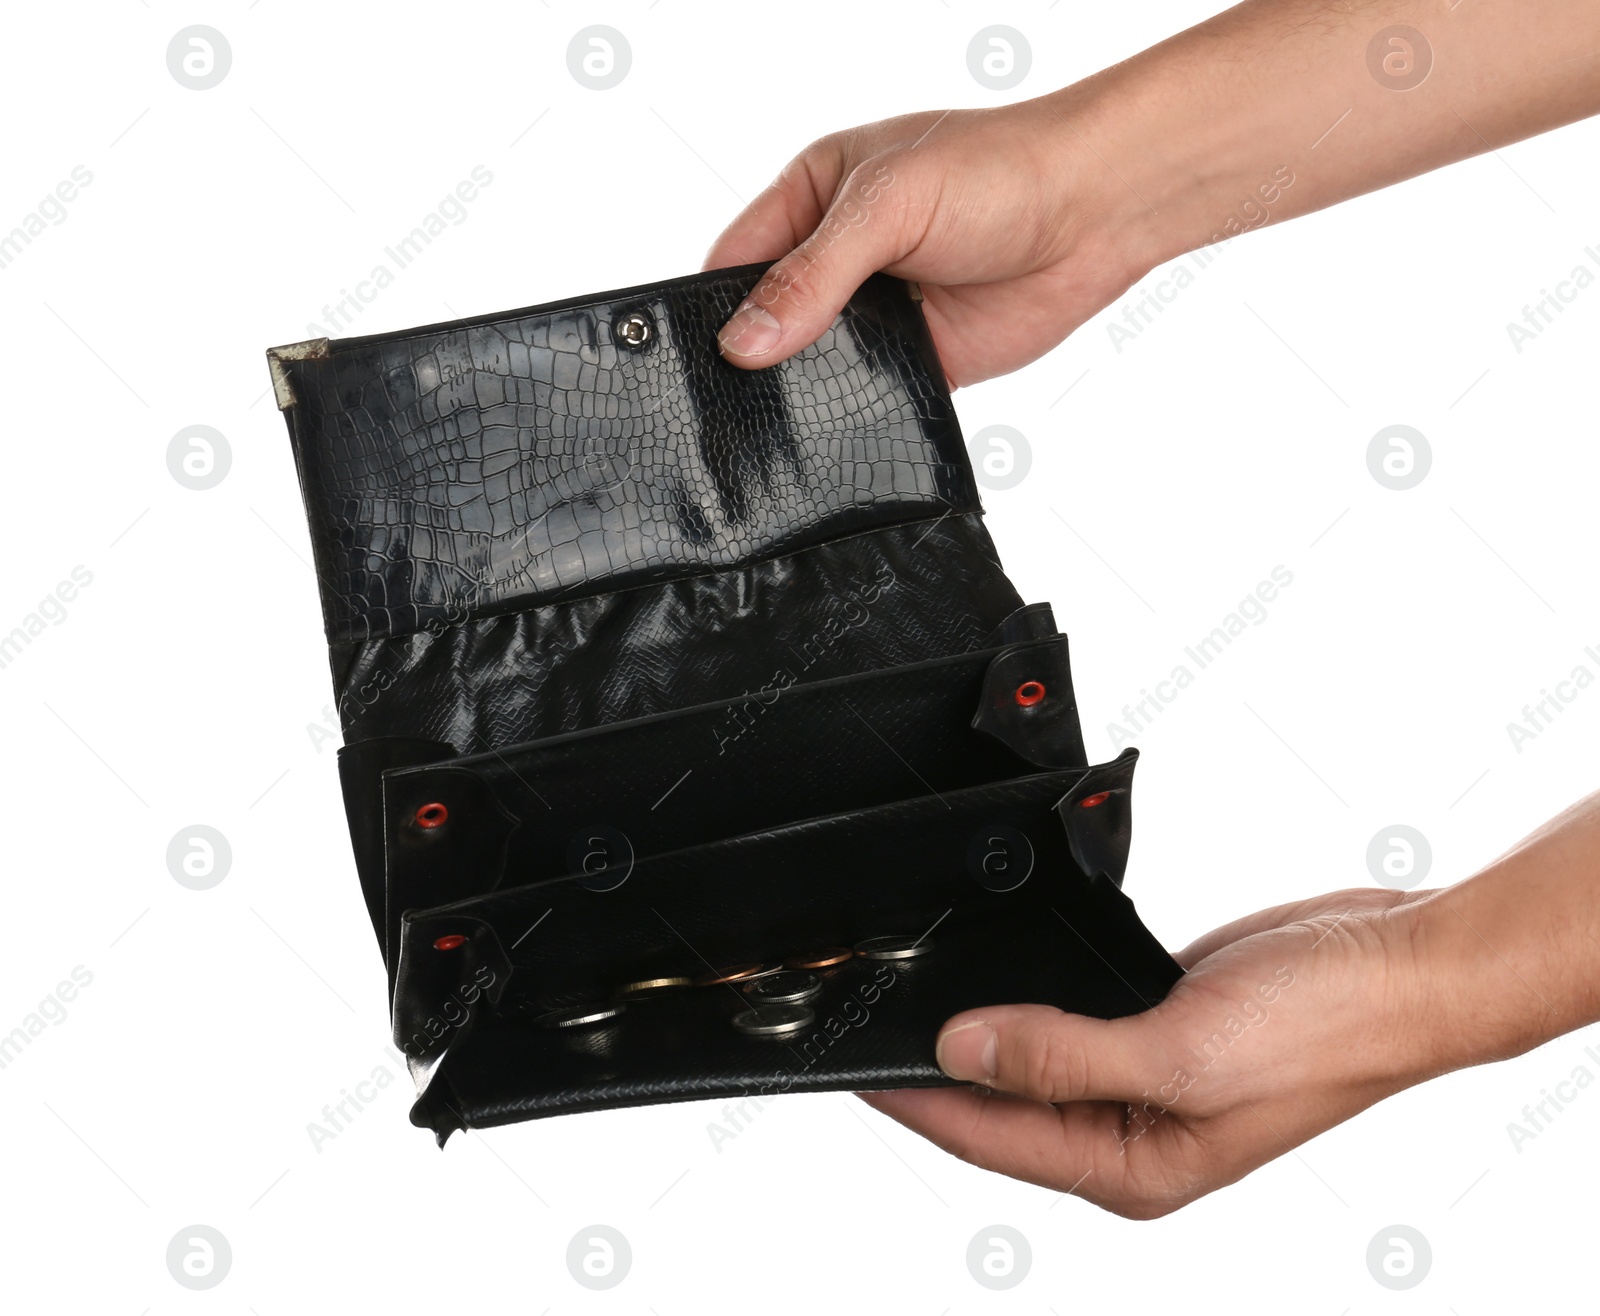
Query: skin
x=1020, y=223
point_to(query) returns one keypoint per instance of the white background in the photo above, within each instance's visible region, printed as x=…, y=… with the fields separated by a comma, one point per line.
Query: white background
x=1226, y=440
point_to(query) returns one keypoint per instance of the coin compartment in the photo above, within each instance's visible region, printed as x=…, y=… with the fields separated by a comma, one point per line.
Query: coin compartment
x=904, y=867
x=896, y=791
x=597, y=801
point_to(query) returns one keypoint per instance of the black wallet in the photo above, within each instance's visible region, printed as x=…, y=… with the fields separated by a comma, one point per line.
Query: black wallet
x=696, y=745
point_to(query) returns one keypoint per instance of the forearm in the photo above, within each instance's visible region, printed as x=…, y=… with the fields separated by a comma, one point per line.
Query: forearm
x=1510, y=958
x=1190, y=142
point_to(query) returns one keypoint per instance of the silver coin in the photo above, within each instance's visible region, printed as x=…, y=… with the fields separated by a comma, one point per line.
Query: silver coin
x=893, y=948
x=573, y=1015
x=787, y=988
x=774, y=1020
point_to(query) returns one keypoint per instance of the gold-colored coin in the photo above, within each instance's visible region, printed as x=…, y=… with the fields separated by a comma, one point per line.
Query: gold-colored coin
x=649, y=987
x=820, y=959
x=733, y=973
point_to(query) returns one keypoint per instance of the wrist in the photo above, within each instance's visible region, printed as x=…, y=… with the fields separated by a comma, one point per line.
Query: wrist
x=1143, y=188
x=1230, y=125
x=1501, y=963
x=1175, y=155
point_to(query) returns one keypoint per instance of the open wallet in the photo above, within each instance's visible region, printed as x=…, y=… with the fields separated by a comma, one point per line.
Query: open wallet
x=695, y=743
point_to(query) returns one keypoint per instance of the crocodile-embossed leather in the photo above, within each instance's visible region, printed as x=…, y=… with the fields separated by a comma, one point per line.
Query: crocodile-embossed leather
x=583, y=579
x=471, y=469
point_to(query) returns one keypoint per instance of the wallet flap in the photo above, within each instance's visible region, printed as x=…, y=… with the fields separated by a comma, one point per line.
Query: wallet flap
x=471, y=469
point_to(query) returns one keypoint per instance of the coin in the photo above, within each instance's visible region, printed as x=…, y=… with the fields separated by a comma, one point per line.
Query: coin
x=765, y=970
x=819, y=959
x=774, y=1020
x=790, y=987
x=733, y=973
x=649, y=986
x=893, y=948
x=573, y=1015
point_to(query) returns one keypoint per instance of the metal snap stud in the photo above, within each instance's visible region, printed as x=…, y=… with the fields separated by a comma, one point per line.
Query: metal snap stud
x=1029, y=693
x=634, y=330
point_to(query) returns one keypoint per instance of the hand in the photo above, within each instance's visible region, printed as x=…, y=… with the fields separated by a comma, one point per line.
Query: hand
x=1022, y=222
x=1287, y=1023
x=993, y=212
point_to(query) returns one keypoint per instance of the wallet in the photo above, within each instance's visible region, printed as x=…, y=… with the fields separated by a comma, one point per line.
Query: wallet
x=696, y=744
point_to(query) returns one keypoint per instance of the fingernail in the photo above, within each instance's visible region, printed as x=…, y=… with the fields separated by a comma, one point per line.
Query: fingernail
x=752, y=331
x=969, y=1052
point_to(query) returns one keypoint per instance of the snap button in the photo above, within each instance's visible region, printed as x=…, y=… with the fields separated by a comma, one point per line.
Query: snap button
x=633, y=330
x=1093, y=801
x=432, y=815
x=451, y=942
x=1029, y=693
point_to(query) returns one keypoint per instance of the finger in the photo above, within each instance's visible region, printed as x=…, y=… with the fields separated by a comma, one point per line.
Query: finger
x=1355, y=900
x=1023, y=1139
x=784, y=213
x=862, y=230
x=1081, y=1149
x=1040, y=1052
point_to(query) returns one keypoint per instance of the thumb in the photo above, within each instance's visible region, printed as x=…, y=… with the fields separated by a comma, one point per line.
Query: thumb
x=1040, y=1052
x=799, y=296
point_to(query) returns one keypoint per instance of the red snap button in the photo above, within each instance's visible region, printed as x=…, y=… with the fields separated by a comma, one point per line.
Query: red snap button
x=1029, y=693
x=451, y=942
x=432, y=815
x=1091, y=801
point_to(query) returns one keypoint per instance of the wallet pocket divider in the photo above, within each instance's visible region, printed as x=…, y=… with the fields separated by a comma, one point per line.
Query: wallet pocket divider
x=594, y=803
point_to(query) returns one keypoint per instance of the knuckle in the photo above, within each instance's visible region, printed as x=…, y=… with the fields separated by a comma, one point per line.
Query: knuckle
x=870, y=192
x=820, y=166
x=851, y=191
x=790, y=281
x=875, y=173
x=830, y=148
x=813, y=159
x=1055, y=1067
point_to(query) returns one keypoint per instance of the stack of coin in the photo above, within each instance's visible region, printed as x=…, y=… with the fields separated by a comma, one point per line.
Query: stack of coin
x=778, y=992
x=774, y=1020
x=791, y=987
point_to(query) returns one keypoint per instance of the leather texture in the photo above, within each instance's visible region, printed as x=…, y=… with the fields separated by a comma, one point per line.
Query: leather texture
x=856, y=604
x=647, y=664
x=483, y=467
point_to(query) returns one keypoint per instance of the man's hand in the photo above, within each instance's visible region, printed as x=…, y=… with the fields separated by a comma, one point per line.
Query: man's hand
x=997, y=212
x=1287, y=1023
x=1022, y=222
